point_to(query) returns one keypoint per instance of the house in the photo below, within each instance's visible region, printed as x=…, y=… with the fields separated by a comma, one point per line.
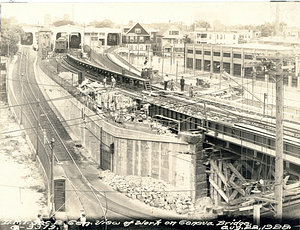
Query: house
x=170, y=40
x=215, y=37
x=136, y=38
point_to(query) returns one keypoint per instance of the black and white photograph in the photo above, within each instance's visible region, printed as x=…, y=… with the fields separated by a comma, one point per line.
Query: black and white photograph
x=150, y=115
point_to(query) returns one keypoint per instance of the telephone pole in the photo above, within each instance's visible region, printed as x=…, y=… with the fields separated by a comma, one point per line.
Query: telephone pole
x=279, y=140
x=52, y=177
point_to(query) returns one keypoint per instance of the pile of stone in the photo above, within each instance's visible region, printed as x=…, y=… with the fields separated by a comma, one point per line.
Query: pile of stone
x=153, y=192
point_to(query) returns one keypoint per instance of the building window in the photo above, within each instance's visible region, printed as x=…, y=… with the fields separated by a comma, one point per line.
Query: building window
x=226, y=55
x=173, y=32
x=198, y=64
x=210, y=36
x=198, y=51
x=137, y=31
x=131, y=39
x=217, y=54
x=237, y=56
x=206, y=52
x=190, y=51
x=141, y=39
x=248, y=56
x=217, y=36
x=203, y=35
x=141, y=47
x=234, y=37
x=224, y=36
x=101, y=34
x=198, y=35
x=221, y=36
x=189, y=62
x=135, y=47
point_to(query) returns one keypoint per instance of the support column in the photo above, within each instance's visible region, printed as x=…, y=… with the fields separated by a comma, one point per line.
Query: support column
x=200, y=171
x=297, y=70
x=211, y=60
x=231, y=62
x=202, y=62
x=221, y=66
x=290, y=80
x=194, y=58
x=243, y=63
x=266, y=78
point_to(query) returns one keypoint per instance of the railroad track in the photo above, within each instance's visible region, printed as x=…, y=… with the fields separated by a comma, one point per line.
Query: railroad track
x=37, y=109
x=215, y=110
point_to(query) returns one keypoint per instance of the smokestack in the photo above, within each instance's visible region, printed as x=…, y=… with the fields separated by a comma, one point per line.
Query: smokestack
x=277, y=20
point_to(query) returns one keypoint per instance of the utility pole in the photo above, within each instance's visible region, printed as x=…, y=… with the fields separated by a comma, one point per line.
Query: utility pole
x=221, y=72
x=52, y=177
x=163, y=57
x=264, y=109
x=176, y=72
x=279, y=140
x=37, y=126
x=22, y=75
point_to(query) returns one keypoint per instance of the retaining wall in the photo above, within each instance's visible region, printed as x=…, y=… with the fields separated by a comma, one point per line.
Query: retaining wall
x=129, y=152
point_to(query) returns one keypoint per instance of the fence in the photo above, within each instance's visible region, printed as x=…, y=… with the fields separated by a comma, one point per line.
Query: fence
x=27, y=115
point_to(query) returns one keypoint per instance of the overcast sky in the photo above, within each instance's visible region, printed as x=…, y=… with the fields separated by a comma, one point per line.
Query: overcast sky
x=229, y=13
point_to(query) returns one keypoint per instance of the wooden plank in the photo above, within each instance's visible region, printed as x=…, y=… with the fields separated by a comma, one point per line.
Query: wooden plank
x=238, y=188
x=221, y=176
x=291, y=171
x=259, y=171
x=211, y=177
x=232, y=177
x=285, y=180
x=247, y=203
x=216, y=196
x=265, y=200
x=236, y=172
x=291, y=186
x=219, y=190
x=249, y=208
x=233, y=195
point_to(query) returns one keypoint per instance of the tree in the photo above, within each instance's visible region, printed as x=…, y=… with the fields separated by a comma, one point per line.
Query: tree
x=282, y=26
x=202, y=24
x=105, y=24
x=199, y=24
x=63, y=23
x=10, y=37
x=181, y=25
x=267, y=29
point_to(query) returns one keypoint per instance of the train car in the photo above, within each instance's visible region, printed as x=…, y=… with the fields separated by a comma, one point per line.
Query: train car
x=61, y=45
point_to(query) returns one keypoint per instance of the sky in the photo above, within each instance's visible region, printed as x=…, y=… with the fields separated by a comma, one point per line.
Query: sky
x=229, y=13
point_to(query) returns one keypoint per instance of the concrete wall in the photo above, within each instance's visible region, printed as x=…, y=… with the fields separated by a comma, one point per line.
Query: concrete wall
x=135, y=153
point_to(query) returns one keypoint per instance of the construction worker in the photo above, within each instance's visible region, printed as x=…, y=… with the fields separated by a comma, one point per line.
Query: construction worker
x=166, y=79
x=172, y=85
x=104, y=82
x=182, y=83
x=191, y=91
x=113, y=82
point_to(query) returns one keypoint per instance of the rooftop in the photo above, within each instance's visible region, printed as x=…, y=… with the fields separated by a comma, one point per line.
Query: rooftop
x=258, y=46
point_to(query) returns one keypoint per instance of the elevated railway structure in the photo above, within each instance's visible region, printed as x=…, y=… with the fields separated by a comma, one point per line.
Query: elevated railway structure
x=239, y=144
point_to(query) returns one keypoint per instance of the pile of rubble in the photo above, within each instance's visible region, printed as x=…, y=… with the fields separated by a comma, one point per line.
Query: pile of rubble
x=153, y=192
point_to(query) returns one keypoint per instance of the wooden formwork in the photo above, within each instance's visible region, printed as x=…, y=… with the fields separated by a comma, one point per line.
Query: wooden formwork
x=237, y=183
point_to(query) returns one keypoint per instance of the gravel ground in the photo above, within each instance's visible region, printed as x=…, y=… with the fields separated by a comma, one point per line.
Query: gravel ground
x=22, y=192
